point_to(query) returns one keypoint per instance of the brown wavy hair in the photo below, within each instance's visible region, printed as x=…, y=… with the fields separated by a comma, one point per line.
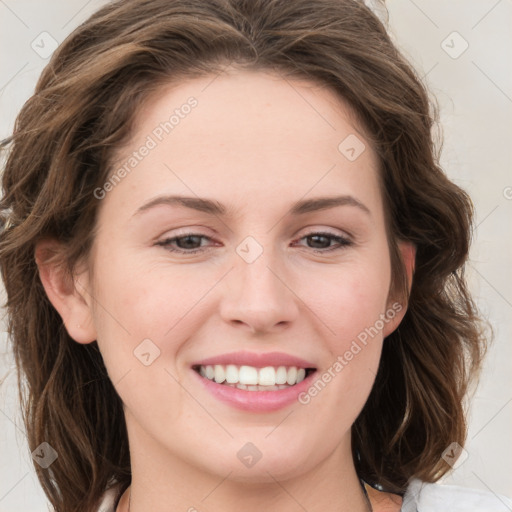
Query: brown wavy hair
x=84, y=107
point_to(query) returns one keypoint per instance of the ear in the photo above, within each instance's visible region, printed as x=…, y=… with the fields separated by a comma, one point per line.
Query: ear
x=408, y=255
x=68, y=294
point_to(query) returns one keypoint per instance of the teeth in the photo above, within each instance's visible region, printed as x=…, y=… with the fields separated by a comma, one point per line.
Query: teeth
x=281, y=375
x=231, y=374
x=219, y=373
x=247, y=375
x=292, y=376
x=267, y=376
x=253, y=379
x=257, y=388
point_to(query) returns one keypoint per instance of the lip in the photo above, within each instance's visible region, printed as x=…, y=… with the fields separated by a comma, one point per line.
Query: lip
x=255, y=401
x=258, y=360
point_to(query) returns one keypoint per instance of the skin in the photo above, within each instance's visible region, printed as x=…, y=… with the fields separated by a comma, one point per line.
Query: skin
x=256, y=143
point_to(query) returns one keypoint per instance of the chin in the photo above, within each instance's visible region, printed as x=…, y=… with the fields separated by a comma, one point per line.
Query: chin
x=251, y=465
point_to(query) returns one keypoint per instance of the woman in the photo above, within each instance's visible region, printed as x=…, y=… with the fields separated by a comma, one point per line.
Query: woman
x=234, y=266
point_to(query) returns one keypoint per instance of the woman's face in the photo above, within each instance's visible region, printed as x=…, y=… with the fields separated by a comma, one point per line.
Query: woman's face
x=283, y=261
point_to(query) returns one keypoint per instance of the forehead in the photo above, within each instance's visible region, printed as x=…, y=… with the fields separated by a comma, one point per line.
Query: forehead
x=247, y=104
x=246, y=132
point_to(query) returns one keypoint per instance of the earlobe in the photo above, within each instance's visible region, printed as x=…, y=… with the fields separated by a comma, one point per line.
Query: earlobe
x=408, y=255
x=69, y=301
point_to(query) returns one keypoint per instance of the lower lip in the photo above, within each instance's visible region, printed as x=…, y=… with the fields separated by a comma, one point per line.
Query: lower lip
x=256, y=401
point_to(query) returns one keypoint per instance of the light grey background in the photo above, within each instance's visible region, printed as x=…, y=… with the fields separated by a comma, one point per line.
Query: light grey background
x=474, y=90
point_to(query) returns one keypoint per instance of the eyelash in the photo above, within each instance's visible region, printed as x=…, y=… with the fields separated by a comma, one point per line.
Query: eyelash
x=342, y=241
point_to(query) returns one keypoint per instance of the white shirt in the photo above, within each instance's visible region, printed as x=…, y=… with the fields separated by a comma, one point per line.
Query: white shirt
x=419, y=497
x=425, y=497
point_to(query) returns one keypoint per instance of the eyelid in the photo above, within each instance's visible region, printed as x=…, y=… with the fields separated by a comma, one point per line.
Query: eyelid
x=197, y=230
x=314, y=229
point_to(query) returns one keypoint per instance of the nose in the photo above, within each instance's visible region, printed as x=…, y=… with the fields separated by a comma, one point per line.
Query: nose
x=259, y=296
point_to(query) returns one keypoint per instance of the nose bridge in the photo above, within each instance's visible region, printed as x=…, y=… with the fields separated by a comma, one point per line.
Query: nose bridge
x=258, y=295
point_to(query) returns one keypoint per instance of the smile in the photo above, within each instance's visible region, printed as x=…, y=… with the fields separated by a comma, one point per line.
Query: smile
x=250, y=378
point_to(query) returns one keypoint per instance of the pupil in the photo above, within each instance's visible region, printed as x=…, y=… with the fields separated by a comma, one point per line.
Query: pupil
x=185, y=241
x=316, y=237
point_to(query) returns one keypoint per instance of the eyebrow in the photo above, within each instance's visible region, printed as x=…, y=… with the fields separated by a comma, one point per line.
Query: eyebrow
x=213, y=207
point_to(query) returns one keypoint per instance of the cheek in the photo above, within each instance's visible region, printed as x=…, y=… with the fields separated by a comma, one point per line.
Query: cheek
x=136, y=301
x=138, y=315
x=349, y=300
x=351, y=303
x=142, y=297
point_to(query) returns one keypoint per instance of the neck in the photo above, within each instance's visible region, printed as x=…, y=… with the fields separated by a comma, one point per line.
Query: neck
x=126, y=500
x=163, y=482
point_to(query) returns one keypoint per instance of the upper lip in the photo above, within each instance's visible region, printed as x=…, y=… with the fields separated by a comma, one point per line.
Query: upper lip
x=258, y=360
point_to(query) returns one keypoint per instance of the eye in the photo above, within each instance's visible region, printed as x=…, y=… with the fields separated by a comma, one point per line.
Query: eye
x=190, y=243
x=187, y=244
x=320, y=239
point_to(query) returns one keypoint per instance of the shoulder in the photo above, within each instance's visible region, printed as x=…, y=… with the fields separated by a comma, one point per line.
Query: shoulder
x=427, y=497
